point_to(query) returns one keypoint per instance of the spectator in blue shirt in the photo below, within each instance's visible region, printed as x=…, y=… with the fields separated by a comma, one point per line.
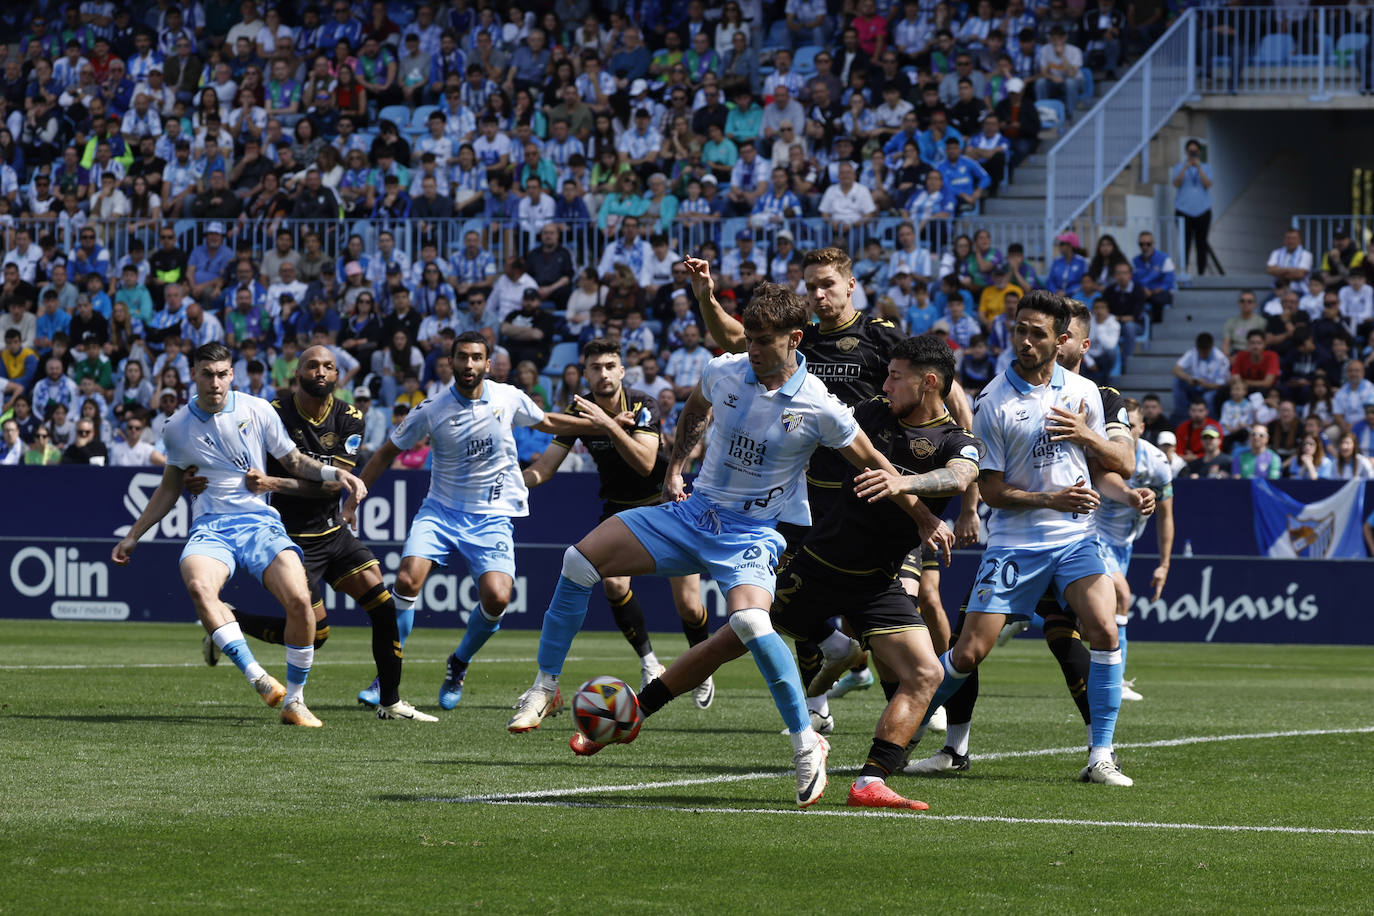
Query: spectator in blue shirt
x=1153, y=271
x=529, y=65
x=205, y=268
x=89, y=257
x=632, y=62
x=966, y=179
x=343, y=27
x=1066, y=273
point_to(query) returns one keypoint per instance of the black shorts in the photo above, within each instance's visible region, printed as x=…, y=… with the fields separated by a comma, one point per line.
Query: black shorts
x=917, y=562
x=332, y=558
x=809, y=593
x=609, y=508
x=820, y=499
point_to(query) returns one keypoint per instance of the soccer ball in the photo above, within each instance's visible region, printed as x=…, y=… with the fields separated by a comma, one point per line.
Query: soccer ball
x=606, y=711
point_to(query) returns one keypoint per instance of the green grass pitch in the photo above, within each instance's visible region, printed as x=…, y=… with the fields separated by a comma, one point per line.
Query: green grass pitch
x=170, y=787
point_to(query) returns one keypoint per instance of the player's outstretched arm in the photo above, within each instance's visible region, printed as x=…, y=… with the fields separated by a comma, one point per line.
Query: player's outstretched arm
x=691, y=426
x=865, y=457
x=563, y=424
x=302, y=465
x=545, y=466
x=159, y=504
x=1164, y=530
x=640, y=451
x=951, y=480
x=1111, y=485
x=724, y=329
x=993, y=488
x=958, y=405
x=258, y=482
x=379, y=462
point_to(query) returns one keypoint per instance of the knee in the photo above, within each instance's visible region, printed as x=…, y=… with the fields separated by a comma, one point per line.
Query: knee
x=495, y=598
x=406, y=583
x=616, y=589
x=202, y=593
x=929, y=674
x=578, y=569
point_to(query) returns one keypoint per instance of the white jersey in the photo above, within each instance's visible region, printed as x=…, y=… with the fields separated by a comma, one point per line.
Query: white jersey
x=761, y=440
x=475, y=465
x=1118, y=523
x=1009, y=415
x=223, y=447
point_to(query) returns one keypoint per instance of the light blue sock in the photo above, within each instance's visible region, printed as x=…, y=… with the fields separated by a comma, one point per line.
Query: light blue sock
x=948, y=687
x=1121, y=640
x=1104, y=694
x=229, y=639
x=239, y=653
x=562, y=621
x=298, y=663
x=405, y=616
x=480, y=629
x=784, y=683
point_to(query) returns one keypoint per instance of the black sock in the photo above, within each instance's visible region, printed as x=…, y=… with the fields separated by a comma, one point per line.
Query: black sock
x=696, y=633
x=260, y=626
x=890, y=689
x=654, y=697
x=629, y=616
x=959, y=708
x=809, y=660
x=1073, y=659
x=883, y=758
x=321, y=631
x=386, y=641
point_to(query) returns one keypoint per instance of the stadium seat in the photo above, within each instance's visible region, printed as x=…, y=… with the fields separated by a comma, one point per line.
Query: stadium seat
x=729, y=228
x=1327, y=53
x=778, y=36
x=804, y=61
x=187, y=236
x=1051, y=112
x=419, y=120
x=396, y=114
x=886, y=231
x=1273, y=49
x=563, y=353
x=1349, y=48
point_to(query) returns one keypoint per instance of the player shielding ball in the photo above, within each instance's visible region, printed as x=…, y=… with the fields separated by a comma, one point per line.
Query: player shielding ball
x=331, y=432
x=770, y=415
x=475, y=489
x=631, y=468
x=225, y=435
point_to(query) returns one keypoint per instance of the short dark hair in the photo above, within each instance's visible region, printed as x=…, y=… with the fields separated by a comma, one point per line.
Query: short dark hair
x=468, y=337
x=1255, y=332
x=1150, y=397
x=1047, y=303
x=928, y=353
x=1205, y=341
x=601, y=346
x=1080, y=312
x=775, y=307
x=211, y=353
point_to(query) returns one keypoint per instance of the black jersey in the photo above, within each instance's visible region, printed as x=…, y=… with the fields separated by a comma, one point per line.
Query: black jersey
x=852, y=362
x=620, y=483
x=333, y=439
x=862, y=538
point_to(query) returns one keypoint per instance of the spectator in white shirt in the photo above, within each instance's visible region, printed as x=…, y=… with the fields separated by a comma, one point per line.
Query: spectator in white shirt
x=1349, y=400
x=1357, y=302
x=508, y=293
x=130, y=450
x=1199, y=373
x=1104, y=335
x=686, y=365
x=846, y=204
x=1290, y=263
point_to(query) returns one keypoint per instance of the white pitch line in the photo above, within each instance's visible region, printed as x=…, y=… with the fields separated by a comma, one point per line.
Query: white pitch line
x=962, y=818
x=504, y=797
x=327, y=663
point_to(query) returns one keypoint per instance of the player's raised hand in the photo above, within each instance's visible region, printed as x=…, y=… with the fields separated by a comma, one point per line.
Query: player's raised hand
x=353, y=485
x=593, y=412
x=1079, y=498
x=699, y=270
x=1157, y=580
x=123, y=551
x=1067, y=425
x=1145, y=504
x=875, y=484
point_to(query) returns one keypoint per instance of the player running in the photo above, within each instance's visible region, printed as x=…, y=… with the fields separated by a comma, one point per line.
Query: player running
x=225, y=434
x=850, y=354
x=631, y=468
x=770, y=415
x=1041, y=530
x=850, y=559
x=1116, y=457
x=475, y=490
x=331, y=432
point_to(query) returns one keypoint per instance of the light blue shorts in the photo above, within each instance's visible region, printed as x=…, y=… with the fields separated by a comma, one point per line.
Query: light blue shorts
x=696, y=536
x=1012, y=580
x=1117, y=557
x=250, y=538
x=486, y=542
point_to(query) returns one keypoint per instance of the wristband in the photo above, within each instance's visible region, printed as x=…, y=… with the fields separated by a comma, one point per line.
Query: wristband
x=328, y=473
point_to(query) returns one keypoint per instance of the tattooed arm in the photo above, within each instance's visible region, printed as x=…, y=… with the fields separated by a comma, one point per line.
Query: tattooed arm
x=950, y=480
x=301, y=465
x=691, y=426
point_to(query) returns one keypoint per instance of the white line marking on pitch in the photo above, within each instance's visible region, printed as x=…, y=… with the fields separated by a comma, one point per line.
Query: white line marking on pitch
x=328, y=662
x=996, y=755
x=964, y=818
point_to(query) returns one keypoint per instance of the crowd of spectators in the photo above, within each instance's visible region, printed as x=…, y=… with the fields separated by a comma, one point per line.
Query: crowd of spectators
x=378, y=177
x=1287, y=388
